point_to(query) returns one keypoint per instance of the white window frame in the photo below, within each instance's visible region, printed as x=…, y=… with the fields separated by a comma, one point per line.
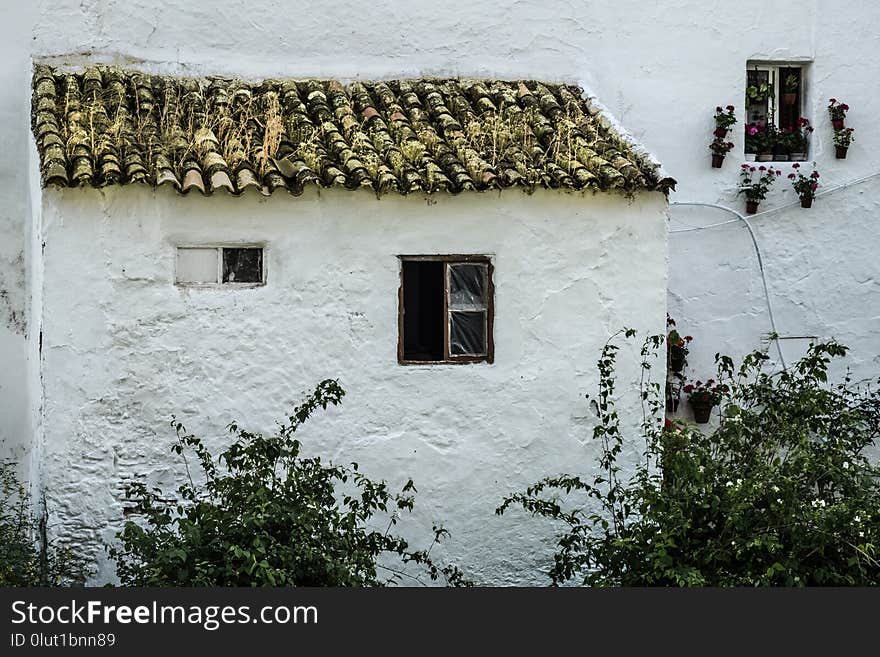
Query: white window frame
x=773, y=76
x=218, y=247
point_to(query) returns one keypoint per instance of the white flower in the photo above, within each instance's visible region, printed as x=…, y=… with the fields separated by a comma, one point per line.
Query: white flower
x=845, y=465
x=776, y=489
x=739, y=482
x=701, y=469
x=729, y=483
x=862, y=534
x=778, y=500
x=857, y=519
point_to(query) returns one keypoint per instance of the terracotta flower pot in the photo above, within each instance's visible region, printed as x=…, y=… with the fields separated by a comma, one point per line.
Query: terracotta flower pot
x=676, y=359
x=840, y=152
x=702, y=410
x=717, y=161
x=751, y=207
x=806, y=201
x=838, y=124
x=789, y=99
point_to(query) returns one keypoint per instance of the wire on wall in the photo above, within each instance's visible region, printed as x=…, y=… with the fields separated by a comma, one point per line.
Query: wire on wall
x=741, y=218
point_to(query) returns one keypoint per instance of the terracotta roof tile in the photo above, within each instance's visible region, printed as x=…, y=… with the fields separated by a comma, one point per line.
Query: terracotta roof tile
x=105, y=126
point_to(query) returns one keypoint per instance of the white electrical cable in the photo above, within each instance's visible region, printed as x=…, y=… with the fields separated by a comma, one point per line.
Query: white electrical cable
x=740, y=217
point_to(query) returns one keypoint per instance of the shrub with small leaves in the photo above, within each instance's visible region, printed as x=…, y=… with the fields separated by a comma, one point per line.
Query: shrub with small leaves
x=27, y=557
x=781, y=493
x=268, y=516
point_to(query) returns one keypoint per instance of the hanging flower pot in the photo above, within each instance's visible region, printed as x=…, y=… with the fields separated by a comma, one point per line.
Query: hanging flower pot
x=804, y=186
x=703, y=397
x=676, y=359
x=719, y=145
x=837, y=124
x=789, y=99
x=751, y=207
x=840, y=152
x=702, y=409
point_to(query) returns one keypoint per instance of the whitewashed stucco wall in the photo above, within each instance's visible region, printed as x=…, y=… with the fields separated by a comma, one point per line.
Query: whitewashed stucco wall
x=660, y=67
x=124, y=348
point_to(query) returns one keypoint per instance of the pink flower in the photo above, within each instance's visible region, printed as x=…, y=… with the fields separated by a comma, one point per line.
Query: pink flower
x=795, y=166
x=753, y=129
x=791, y=176
x=743, y=166
x=762, y=168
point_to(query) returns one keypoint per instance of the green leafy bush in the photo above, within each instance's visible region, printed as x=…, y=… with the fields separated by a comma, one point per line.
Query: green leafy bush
x=781, y=493
x=27, y=558
x=267, y=516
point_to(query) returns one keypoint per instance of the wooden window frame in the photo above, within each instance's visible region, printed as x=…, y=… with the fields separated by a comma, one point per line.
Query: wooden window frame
x=448, y=358
x=219, y=248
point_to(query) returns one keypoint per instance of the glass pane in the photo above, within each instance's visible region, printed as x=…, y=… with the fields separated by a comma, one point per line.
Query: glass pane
x=242, y=265
x=197, y=265
x=467, y=287
x=467, y=333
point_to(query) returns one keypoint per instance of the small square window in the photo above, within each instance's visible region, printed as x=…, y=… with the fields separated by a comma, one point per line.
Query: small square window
x=219, y=265
x=446, y=310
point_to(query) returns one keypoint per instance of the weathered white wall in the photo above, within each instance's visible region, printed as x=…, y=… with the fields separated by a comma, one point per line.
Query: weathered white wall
x=17, y=360
x=124, y=348
x=660, y=67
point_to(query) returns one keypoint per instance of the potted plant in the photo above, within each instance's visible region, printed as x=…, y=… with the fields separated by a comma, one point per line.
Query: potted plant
x=752, y=141
x=759, y=93
x=719, y=149
x=782, y=145
x=765, y=142
x=755, y=189
x=724, y=118
x=842, y=139
x=805, y=186
x=791, y=86
x=799, y=143
x=838, y=113
x=703, y=397
x=676, y=348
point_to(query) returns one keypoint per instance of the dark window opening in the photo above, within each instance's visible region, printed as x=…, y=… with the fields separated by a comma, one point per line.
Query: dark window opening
x=446, y=310
x=423, y=310
x=242, y=265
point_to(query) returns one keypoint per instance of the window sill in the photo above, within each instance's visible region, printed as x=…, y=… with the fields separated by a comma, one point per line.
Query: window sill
x=775, y=162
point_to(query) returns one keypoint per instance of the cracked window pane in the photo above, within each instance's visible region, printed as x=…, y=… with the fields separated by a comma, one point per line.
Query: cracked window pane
x=467, y=333
x=243, y=265
x=467, y=287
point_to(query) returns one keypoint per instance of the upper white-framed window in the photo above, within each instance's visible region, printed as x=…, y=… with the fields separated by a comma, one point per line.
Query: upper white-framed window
x=775, y=101
x=238, y=265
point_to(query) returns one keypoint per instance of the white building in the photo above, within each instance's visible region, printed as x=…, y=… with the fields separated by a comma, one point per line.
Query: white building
x=100, y=346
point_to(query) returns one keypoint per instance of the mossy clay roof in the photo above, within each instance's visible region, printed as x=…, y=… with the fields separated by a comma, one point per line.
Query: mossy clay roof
x=106, y=126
